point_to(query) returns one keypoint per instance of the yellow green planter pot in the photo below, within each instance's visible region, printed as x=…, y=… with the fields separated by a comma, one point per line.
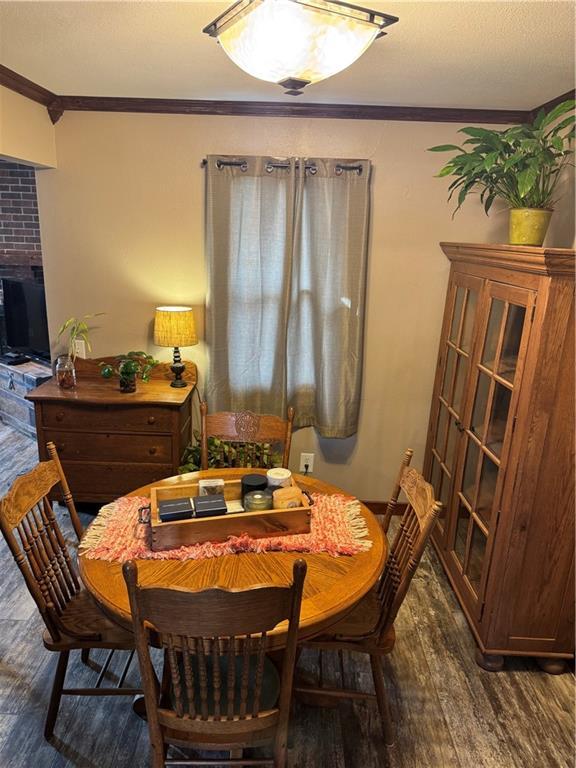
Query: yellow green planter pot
x=528, y=226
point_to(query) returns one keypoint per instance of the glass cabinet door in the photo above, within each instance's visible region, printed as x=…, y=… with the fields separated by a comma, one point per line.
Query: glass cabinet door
x=455, y=356
x=496, y=371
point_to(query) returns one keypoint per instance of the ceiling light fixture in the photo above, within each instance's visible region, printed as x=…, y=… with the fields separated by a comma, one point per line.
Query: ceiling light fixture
x=296, y=42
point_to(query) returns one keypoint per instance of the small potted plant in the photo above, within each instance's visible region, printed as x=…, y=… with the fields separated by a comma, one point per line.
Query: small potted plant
x=520, y=165
x=128, y=367
x=78, y=330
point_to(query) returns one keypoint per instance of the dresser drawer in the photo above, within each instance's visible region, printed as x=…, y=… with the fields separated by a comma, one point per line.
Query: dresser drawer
x=104, y=418
x=96, y=446
x=102, y=481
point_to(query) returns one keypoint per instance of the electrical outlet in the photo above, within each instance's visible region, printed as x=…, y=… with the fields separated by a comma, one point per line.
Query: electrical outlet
x=307, y=459
x=79, y=348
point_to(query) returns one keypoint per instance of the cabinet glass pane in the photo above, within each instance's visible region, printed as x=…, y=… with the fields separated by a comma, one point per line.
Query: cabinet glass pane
x=448, y=374
x=435, y=476
x=461, y=371
x=476, y=558
x=460, y=292
x=511, y=342
x=487, y=488
x=440, y=441
x=445, y=490
x=453, y=435
x=493, y=333
x=470, y=465
x=498, y=418
x=461, y=533
x=480, y=405
x=469, y=312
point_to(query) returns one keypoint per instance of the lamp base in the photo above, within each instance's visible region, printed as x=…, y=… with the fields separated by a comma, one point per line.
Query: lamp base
x=178, y=369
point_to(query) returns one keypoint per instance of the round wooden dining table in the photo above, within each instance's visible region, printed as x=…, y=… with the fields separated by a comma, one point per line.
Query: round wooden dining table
x=332, y=587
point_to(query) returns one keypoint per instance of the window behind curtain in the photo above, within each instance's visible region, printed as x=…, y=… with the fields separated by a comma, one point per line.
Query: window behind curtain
x=287, y=263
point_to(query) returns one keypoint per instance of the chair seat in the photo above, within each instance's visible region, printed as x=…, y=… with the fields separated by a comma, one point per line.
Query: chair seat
x=84, y=625
x=360, y=623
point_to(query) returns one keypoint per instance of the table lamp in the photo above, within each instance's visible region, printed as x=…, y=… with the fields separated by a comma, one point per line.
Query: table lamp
x=174, y=327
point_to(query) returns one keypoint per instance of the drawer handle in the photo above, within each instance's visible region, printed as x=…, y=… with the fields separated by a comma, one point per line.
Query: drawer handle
x=152, y=450
x=60, y=447
x=151, y=419
x=60, y=416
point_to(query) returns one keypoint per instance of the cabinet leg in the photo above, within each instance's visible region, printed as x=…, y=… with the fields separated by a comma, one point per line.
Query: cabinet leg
x=489, y=662
x=552, y=666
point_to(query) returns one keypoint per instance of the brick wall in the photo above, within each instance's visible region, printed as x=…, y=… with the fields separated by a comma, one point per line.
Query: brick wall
x=20, y=248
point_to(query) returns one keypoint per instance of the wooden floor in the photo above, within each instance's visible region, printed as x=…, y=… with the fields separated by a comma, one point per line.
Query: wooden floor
x=450, y=713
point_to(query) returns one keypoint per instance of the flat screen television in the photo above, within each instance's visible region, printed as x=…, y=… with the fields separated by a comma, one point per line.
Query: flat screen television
x=25, y=318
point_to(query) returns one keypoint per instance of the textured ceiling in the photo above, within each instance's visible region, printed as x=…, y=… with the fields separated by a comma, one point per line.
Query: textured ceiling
x=445, y=54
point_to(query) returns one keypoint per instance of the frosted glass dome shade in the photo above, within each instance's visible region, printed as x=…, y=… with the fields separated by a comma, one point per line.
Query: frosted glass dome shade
x=287, y=40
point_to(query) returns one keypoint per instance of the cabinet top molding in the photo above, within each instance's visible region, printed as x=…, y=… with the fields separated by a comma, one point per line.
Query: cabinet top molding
x=556, y=262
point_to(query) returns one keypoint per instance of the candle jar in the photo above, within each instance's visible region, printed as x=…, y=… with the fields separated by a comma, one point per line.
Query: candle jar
x=256, y=501
x=65, y=372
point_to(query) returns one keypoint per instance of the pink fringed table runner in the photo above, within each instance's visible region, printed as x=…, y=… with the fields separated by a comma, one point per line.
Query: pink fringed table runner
x=337, y=527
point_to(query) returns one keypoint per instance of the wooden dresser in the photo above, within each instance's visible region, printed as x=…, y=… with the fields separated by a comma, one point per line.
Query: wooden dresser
x=111, y=442
x=500, y=449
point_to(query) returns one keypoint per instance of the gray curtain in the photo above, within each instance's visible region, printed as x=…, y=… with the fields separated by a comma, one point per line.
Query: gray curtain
x=287, y=249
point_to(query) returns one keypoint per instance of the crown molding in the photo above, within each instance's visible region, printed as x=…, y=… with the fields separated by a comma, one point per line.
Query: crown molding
x=57, y=105
x=553, y=102
x=282, y=109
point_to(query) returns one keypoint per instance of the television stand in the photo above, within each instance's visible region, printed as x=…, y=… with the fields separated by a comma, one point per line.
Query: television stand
x=13, y=358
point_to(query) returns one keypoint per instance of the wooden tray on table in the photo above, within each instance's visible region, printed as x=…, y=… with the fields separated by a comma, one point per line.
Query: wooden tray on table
x=258, y=525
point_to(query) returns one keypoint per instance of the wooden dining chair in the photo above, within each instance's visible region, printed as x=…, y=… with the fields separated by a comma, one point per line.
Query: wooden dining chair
x=72, y=620
x=369, y=628
x=391, y=506
x=219, y=690
x=237, y=435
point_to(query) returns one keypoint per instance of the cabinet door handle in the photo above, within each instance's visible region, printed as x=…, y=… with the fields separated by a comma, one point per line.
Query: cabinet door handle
x=151, y=419
x=60, y=416
x=459, y=425
x=60, y=447
x=152, y=450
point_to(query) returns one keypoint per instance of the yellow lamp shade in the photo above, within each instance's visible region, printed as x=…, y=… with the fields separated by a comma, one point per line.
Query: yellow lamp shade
x=174, y=327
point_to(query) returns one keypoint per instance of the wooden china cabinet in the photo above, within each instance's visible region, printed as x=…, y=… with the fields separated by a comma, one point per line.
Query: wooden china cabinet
x=500, y=449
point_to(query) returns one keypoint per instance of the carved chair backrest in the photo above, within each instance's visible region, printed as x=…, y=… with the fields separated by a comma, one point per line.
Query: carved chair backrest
x=37, y=544
x=391, y=506
x=408, y=546
x=214, y=643
x=240, y=431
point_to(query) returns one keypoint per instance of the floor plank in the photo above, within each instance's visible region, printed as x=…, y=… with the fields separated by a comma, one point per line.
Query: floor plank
x=449, y=712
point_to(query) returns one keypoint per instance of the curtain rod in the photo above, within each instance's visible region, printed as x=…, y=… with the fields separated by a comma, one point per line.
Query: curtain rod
x=270, y=166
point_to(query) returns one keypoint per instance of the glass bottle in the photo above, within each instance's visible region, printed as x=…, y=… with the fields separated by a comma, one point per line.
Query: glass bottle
x=65, y=372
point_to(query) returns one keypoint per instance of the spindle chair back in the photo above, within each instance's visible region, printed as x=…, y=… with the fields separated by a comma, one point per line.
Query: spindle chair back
x=36, y=541
x=391, y=506
x=369, y=628
x=72, y=619
x=213, y=693
x=238, y=435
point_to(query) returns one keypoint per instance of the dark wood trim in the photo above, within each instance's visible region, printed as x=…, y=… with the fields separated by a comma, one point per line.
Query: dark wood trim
x=283, y=109
x=57, y=105
x=15, y=82
x=553, y=102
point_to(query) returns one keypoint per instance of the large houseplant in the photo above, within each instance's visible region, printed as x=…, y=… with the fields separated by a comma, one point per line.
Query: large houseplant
x=520, y=165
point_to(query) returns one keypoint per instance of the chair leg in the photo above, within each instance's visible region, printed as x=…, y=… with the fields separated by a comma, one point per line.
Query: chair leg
x=85, y=655
x=56, y=694
x=382, y=699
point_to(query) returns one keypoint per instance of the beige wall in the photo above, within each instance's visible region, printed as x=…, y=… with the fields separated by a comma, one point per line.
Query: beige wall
x=26, y=131
x=122, y=231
